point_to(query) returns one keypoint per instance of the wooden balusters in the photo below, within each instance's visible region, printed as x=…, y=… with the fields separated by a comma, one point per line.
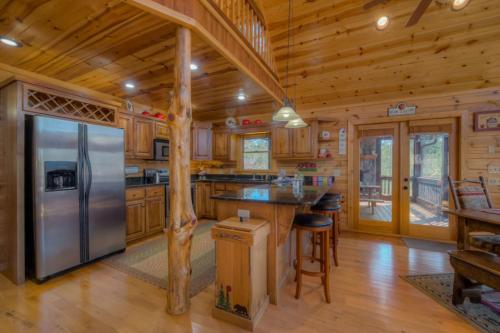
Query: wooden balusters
x=248, y=20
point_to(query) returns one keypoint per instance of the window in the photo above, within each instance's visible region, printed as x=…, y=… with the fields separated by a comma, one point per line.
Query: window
x=256, y=153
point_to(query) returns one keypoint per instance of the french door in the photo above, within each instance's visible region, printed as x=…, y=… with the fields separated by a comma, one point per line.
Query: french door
x=402, y=170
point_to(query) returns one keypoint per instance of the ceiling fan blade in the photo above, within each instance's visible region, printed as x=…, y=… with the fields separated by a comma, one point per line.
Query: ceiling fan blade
x=372, y=3
x=417, y=14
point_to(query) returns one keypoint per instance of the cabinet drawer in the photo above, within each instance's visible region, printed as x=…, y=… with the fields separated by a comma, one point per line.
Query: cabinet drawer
x=155, y=191
x=135, y=194
x=219, y=187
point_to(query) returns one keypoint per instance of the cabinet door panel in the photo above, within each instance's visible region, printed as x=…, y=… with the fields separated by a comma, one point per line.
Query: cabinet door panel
x=144, y=138
x=155, y=214
x=136, y=219
x=202, y=141
x=161, y=131
x=221, y=149
x=126, y=122
x=281, y=142
x=305, y=141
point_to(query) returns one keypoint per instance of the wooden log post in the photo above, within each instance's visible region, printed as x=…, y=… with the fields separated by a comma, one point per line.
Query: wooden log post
x=182, y=217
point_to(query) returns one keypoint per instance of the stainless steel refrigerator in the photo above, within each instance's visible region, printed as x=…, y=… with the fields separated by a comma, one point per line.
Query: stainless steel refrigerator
x=78, y=193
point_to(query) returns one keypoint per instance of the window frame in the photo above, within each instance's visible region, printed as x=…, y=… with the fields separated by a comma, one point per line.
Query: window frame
x=244, y=137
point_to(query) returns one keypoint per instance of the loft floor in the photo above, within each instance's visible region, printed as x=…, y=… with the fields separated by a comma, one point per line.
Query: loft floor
x=367, y=296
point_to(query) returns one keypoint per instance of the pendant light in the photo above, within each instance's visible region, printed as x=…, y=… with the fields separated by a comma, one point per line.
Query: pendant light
x=287, y=111
x=296, y=123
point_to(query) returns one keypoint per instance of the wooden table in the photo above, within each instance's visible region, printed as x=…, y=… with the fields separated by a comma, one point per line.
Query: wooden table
x=470, y=220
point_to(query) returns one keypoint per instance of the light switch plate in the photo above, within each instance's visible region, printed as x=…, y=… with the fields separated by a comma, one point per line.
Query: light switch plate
x=492, y=149
x=336, y=173
x=244, y=214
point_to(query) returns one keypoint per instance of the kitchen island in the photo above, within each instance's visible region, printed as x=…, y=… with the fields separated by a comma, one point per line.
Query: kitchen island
x=277, y=205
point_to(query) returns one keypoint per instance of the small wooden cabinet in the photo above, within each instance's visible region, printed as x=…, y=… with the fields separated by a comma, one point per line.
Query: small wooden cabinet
x=201, y=141
x=221, y=146
x=136, y=219
x=204, y=205
x=161, y=131
x=241, y=274
x=145, y=211
x=144, y=129
x=126, y=122
x=297, y=143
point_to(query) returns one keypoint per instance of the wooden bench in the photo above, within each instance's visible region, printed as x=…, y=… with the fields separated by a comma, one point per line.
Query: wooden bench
x=481, y=267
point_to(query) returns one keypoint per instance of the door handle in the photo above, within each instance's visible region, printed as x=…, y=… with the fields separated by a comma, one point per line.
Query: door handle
x=406, y=179
x=405, y=187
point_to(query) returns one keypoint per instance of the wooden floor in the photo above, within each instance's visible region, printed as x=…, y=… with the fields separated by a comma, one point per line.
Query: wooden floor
x=368, y=296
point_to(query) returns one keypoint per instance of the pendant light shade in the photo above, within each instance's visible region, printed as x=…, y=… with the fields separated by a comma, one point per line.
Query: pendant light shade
x=286, y=113
x=296, y=123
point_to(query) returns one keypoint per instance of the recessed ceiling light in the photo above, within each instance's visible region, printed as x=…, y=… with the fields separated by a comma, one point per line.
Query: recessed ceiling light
x=241, y=97
x=194, y=66
x=382, y=23
x=129, y=85
x=459, y=4
x=9, y=41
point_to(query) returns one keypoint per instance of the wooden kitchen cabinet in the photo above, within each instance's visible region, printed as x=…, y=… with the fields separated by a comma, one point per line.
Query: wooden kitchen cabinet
x=201, y=141
x=161, y=131
x=305, y=141
x=221, y=145
x=155, y=214
x=136, y=219
x=204, y=205
x=297, y=143
x=144, y=129
x=145, y=211
x=281, y=139
x=126, y=122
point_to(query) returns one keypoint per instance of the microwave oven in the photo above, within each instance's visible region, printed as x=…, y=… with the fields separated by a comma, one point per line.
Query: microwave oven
x=161, y=150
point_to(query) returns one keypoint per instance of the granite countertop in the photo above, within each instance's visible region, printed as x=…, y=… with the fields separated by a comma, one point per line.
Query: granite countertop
x=274, y=194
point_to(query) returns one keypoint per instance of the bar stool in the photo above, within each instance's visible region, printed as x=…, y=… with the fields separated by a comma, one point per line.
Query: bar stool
x=330, y=208
x=319, y=225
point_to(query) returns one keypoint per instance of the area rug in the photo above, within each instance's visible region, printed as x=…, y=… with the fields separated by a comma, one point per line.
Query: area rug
x=148, y=261
x=440, y=288
x=428, y=245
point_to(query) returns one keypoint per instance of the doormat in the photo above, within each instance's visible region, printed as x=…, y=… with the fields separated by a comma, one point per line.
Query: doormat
x=148, y=260
x=428, y=245
x=440, y=288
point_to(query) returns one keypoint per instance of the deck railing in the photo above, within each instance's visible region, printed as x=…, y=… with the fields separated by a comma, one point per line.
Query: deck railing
x=248, y=20
x=429, y=191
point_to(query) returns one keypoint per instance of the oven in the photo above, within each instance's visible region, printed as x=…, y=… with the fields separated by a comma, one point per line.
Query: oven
x=161, y=149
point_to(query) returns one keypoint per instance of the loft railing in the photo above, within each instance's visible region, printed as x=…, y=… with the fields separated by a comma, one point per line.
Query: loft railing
x=248, y=21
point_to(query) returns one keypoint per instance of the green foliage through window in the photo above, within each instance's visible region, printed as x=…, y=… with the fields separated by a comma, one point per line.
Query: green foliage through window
x=256, y=153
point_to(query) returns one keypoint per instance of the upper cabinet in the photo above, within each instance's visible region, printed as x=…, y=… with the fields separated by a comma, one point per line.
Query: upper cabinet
x=161, y=131
x=297, y=143
x=201, y=141
x=221, y=145
x=139, y=134
x=126, y=122
x=144, y=130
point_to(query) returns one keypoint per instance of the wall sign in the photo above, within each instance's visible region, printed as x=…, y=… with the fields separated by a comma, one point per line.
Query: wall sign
x=487, y=121
x=401, y=109
x=342, y=141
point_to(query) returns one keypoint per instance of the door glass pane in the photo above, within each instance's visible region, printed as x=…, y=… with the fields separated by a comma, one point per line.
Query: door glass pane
x=375, y=188
x=428, y=182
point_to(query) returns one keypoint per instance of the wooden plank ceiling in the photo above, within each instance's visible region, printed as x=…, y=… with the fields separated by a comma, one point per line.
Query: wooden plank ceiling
x=340, y=58
x=101, y=44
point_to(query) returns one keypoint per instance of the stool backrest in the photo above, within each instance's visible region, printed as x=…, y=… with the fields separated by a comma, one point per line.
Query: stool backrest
x=470, y=194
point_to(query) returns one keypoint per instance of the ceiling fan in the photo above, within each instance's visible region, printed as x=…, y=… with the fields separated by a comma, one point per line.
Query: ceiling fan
x=415, y=17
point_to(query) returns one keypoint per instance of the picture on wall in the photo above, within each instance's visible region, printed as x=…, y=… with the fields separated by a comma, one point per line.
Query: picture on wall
x=487, y=121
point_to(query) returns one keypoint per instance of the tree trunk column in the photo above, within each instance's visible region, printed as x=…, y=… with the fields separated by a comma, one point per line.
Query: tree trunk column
x=182, y=217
